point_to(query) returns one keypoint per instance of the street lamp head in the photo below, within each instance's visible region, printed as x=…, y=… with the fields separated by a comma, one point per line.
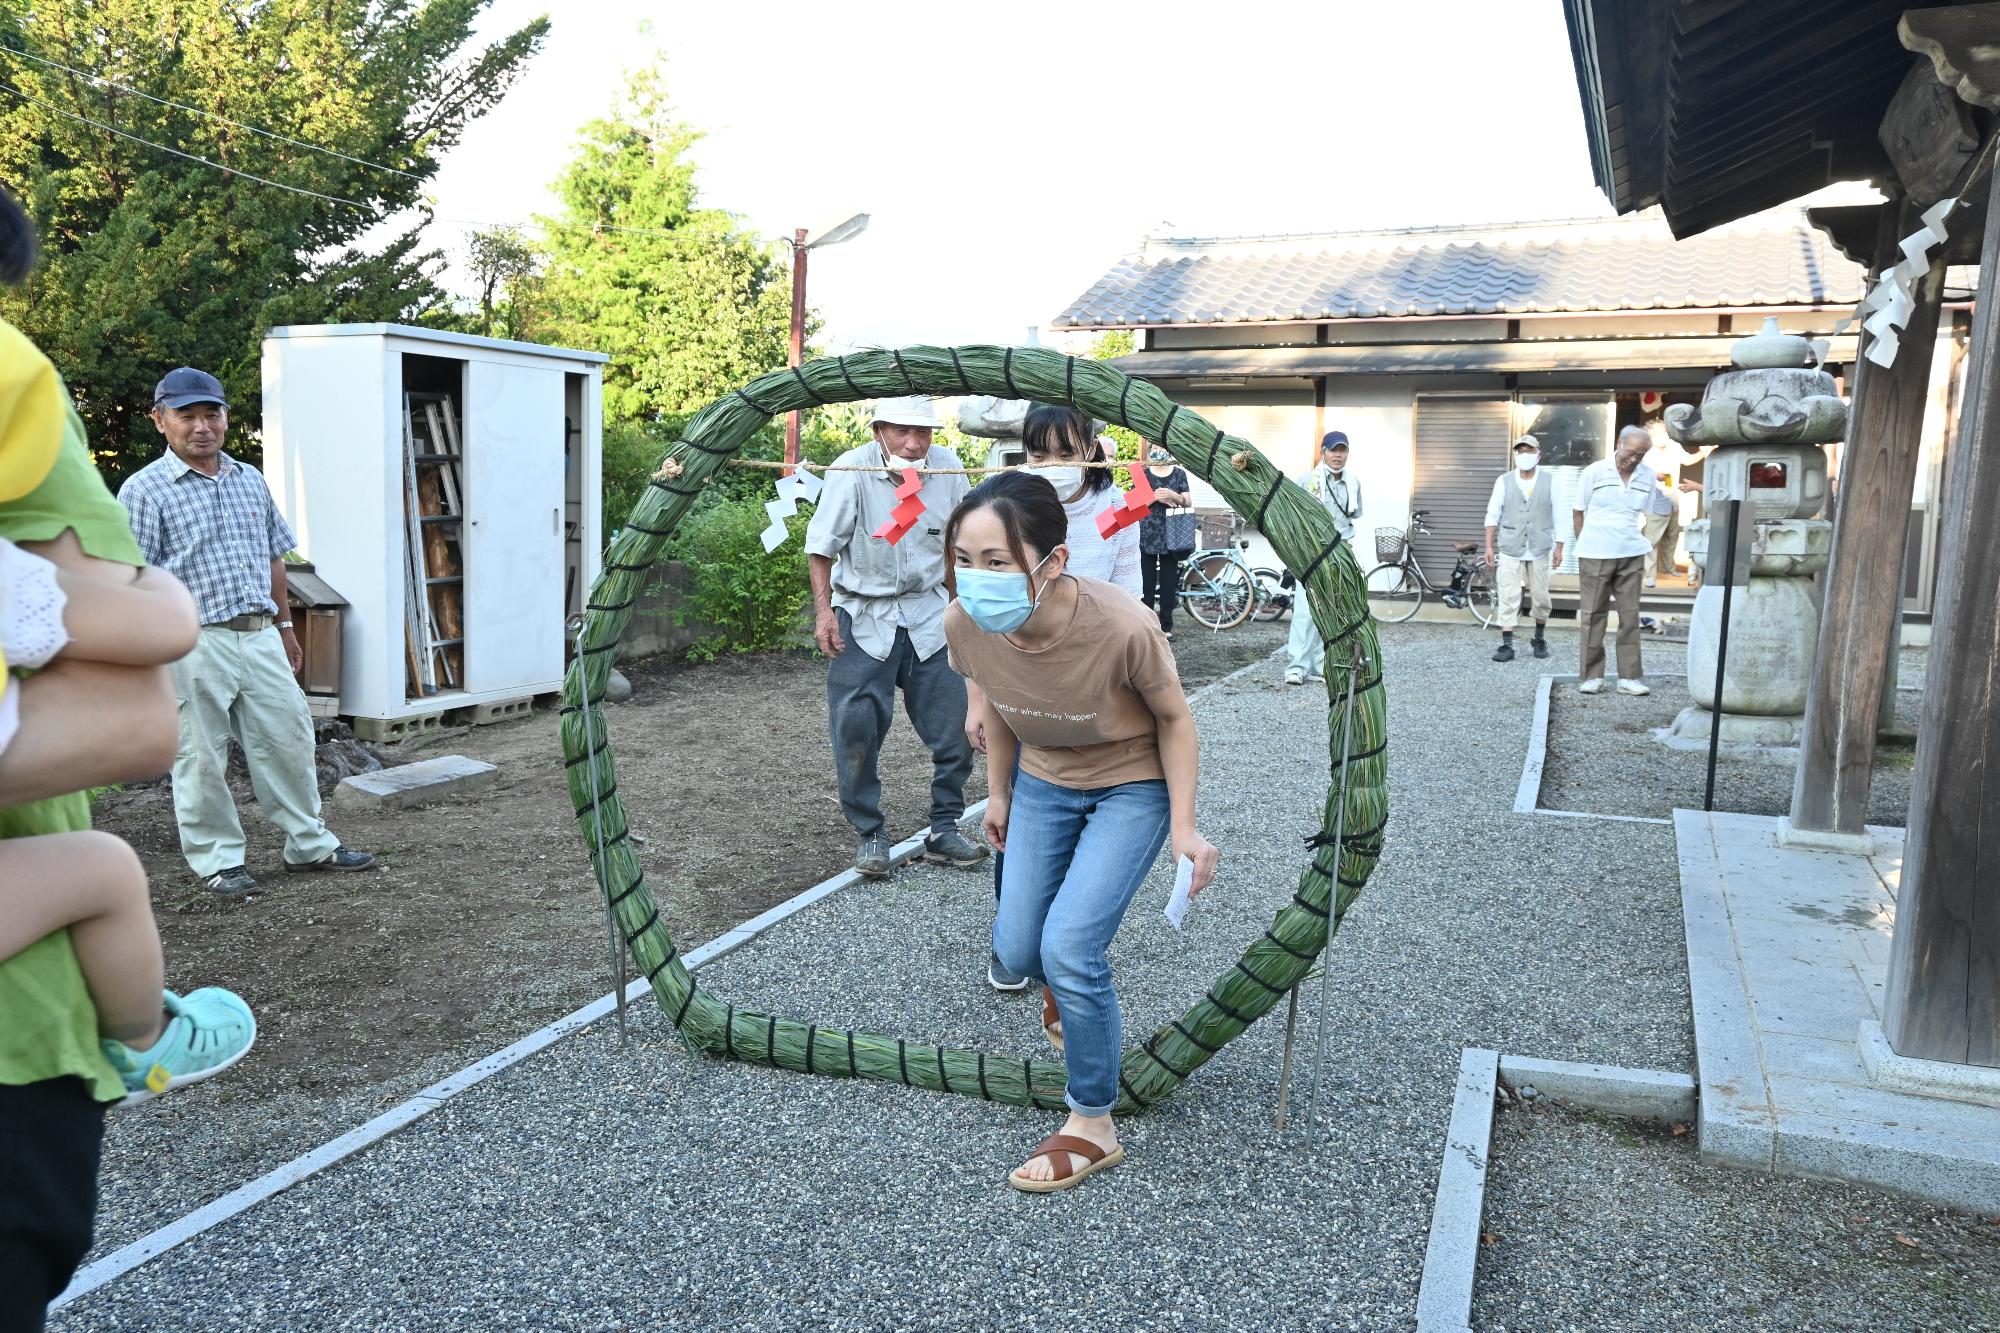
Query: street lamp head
x=845, y=231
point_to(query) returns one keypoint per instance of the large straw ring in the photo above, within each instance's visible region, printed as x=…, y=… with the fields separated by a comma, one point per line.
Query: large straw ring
x=1297, y=526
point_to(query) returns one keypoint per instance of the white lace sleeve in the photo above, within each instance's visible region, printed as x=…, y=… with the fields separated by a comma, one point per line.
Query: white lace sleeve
x=31, y=608
x=1125, y=562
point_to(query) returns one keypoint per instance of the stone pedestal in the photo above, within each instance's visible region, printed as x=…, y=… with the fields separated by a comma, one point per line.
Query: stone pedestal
x=1773, y=629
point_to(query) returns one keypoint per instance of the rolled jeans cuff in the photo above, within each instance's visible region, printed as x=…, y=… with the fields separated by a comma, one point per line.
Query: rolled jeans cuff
x=1081, y=1109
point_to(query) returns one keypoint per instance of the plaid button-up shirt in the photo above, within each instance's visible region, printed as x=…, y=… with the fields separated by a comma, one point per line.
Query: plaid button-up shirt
x=218, y=535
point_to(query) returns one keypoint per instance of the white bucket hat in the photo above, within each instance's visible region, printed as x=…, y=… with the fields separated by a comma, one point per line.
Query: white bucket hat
x=914, y=411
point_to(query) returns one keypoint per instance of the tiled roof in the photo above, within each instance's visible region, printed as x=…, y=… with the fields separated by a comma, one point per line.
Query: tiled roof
x=1629, y=263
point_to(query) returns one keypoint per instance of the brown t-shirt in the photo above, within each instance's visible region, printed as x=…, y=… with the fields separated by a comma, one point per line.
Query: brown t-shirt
x=1079, y=706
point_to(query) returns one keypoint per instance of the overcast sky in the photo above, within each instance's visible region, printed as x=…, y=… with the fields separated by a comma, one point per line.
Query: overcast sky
x=1010, y=159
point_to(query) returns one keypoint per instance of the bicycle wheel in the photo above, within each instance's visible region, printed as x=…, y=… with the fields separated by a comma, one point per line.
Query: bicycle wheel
x=1394, y=593
x=1273, y=598
x=1218, y=591
x=1482, y=595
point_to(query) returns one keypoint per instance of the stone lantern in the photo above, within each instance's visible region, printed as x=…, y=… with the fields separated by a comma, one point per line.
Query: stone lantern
x=1768, y=421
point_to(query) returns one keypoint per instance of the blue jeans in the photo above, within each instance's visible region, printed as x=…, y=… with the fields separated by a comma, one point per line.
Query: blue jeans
x=1074, y=860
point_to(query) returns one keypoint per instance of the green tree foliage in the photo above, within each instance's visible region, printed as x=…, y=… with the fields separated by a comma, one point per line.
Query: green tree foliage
x=505, y=268
x=152, y=261
x=686, y=301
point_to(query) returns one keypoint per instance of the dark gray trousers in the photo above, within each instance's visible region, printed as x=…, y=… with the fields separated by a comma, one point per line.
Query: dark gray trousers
x=861, y=702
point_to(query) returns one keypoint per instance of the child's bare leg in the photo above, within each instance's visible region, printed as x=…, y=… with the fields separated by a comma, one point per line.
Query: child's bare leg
x=93, y=884
x=85, y=725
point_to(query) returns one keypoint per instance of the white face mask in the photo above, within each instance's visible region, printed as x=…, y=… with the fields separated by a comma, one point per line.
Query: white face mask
x=1065, y=477
x=1526, y=462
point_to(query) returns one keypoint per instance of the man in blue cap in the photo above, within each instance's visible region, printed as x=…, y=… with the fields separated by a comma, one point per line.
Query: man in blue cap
x=1333, y=486
x=209, y=520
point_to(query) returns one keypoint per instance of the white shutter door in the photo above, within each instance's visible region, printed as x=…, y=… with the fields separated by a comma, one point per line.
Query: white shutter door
x=1461, y=447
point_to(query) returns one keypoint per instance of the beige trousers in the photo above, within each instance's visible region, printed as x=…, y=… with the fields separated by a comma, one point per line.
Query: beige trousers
x=238, y=684
x=1662, y=532
x=1517, y=572
x=1606, y=583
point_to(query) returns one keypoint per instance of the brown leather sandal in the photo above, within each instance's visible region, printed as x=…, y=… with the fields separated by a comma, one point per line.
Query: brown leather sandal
x=1052, y=1020
x=1057, y=1148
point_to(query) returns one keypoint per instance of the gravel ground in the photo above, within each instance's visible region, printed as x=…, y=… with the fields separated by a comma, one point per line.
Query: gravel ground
x=613, y=1191
x=1603, y=758
x=1576, y=1207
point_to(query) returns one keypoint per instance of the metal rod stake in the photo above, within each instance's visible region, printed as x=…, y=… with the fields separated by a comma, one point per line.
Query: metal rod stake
x=1285, y=1067
x=1722, y=650
x=597, y=835
x=1333, y=889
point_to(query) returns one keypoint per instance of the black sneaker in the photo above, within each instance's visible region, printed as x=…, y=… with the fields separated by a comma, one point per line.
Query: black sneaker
x=233, y=882
x=872, y=861
x=337, y=859
x=1504, y=653
x=953, y=848
x=1000, y=979
x=1541, y=647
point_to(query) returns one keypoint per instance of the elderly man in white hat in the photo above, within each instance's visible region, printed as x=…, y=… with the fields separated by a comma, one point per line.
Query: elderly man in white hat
x=878, y=612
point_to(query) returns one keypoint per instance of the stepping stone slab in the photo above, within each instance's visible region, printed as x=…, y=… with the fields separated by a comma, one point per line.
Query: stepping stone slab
x=414, y=784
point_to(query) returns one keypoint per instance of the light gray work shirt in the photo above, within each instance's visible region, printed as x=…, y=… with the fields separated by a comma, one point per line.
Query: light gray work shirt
x=884, y=586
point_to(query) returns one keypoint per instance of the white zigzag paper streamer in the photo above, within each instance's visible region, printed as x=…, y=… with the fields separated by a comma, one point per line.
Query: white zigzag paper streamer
x=1889, y=304
x=801, y=485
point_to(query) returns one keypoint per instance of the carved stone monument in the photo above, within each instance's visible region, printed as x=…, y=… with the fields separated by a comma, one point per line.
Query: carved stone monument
x=1767, y=421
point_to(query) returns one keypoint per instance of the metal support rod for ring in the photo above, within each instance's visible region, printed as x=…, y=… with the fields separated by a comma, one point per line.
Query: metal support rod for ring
x=1333, y=889
x=1285, y=1066
x=597, y=834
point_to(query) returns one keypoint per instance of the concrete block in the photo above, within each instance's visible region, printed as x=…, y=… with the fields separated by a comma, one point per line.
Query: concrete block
x=1643, y=1094
x=1979, y=1084
x=504, y=711
x=382, y=730
x=1938, y=1169
x=1852, y=844
x=415, y=784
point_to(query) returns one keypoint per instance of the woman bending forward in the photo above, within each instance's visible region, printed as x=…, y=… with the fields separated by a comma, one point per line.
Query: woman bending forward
x=1077, y=678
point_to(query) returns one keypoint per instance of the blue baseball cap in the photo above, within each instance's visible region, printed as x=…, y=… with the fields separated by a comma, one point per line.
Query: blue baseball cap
x=1334, y=439
x=187, y=386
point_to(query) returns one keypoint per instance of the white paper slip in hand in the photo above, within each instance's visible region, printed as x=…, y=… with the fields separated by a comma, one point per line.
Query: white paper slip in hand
x=1183, y=894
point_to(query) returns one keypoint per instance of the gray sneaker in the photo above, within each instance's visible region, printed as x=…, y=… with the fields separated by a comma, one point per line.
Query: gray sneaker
x=999, y=978
x=872, y=861
x=953, y=848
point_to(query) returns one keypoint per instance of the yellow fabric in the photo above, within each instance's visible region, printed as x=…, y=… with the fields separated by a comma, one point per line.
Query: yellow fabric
x=32, y=408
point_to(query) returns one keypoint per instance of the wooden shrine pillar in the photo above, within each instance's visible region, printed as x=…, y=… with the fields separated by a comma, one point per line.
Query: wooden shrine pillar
x=1863, y=585
x=1944, y=966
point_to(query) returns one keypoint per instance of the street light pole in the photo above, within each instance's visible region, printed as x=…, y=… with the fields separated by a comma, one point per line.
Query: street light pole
x=799, y=248
x=834, y=235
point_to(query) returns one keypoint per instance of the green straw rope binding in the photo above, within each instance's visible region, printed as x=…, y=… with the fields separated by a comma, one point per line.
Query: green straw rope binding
x=1299, y=530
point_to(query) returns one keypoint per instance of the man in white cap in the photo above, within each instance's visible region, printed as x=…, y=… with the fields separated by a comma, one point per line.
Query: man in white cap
x=1520, y=534
x=878, y=613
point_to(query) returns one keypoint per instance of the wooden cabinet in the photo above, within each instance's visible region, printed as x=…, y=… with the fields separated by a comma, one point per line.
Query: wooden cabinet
x=450, y=487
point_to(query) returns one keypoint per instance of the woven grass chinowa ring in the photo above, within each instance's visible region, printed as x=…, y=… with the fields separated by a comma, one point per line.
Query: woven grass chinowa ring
x=1339, y=859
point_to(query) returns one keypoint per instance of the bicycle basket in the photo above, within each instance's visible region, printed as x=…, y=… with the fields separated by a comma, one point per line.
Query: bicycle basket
x=1389, y=545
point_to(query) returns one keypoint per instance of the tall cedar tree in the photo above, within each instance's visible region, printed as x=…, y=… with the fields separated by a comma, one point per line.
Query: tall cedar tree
x=687, y=302
x=151, y=261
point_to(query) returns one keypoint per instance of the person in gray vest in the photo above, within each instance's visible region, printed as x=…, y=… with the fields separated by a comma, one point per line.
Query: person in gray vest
x=1335, y=487
x=1520, y=534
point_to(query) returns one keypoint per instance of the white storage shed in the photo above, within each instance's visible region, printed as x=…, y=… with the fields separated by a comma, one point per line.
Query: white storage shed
x=449, y=486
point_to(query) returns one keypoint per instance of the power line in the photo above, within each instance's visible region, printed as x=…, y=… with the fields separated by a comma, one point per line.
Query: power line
x=101, y=81
x=192, y=157
x=315, y=194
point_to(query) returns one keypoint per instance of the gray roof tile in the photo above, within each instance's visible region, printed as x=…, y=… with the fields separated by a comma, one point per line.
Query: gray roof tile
x=1630, y=263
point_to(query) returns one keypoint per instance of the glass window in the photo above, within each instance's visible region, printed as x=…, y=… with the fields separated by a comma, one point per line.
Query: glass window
x=1574, y=432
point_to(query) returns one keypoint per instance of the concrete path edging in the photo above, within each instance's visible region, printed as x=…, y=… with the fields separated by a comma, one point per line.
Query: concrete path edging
x=1528, y=793
x=1637, y=1094
x=1451, y=1256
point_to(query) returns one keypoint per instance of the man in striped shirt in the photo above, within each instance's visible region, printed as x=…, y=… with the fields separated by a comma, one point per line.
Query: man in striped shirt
x=209, y=520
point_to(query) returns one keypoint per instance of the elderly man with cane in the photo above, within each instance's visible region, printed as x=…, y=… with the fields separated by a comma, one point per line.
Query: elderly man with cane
x=878, y=613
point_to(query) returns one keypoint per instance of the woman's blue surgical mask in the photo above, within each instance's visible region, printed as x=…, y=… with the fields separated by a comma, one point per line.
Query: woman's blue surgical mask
x=997, y=599
x=1065, y=477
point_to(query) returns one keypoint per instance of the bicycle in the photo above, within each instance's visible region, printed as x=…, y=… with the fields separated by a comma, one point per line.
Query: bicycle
x=1396, y=587
x=1274, y=593
x=1218, y=588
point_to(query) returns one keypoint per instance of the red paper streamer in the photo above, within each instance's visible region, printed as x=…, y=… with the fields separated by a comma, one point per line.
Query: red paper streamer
x=1137, y=501
x=909, y=509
